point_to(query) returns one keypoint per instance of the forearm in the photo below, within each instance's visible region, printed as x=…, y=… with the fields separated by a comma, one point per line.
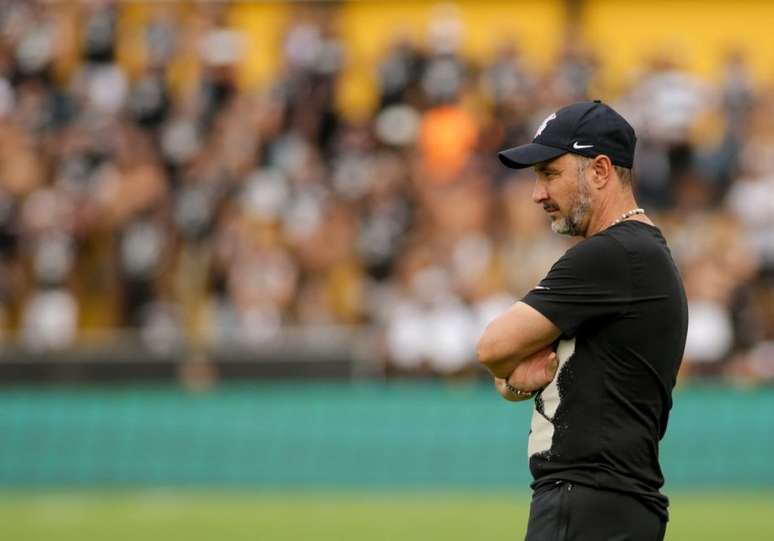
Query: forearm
x=530, y=375
x=504, y=367
x=500, y=348
x=513, y=337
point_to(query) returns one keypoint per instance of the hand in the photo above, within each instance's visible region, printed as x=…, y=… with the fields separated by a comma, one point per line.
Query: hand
x=536, y=371
x=531, y=374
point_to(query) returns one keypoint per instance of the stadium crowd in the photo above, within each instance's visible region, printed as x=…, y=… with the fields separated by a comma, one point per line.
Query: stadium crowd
x=219, y=212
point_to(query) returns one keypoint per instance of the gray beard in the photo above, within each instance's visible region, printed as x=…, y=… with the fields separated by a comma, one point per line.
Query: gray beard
x=572, y=224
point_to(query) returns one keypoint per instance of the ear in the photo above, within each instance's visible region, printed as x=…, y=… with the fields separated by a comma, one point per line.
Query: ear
x=602, y=171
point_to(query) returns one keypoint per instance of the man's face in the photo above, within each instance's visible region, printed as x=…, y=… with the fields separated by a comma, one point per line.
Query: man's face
x=561, y=188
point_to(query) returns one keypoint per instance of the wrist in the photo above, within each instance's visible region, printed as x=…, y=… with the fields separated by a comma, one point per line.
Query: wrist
x=518, y=392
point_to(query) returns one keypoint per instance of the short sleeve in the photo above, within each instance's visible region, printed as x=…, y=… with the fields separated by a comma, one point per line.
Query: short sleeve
x=590, y=281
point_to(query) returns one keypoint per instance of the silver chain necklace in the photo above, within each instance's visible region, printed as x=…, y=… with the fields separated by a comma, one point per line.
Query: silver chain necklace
x=626, y=215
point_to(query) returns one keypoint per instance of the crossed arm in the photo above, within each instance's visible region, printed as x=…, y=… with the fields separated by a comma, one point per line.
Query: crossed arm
x=519, y=338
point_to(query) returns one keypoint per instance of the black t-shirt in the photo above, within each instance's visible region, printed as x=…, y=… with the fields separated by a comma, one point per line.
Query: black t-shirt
x=619, y=301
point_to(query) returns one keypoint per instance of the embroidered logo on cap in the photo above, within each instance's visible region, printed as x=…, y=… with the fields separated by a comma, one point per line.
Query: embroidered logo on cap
x=576, y=146
x=542, y=127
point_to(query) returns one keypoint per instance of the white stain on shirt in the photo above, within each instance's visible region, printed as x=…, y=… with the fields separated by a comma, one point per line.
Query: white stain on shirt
x=541, y=434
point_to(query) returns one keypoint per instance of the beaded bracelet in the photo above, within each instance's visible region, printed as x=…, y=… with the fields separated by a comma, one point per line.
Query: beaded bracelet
x=518, y=392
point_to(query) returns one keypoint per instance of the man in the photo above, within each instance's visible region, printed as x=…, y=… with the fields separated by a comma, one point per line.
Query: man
x=598, y=342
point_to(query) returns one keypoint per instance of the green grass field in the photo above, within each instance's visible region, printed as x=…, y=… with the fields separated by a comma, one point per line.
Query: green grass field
x=344, y=516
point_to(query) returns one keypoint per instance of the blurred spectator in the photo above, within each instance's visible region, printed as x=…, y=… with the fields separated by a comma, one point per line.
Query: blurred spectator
x=143, y=185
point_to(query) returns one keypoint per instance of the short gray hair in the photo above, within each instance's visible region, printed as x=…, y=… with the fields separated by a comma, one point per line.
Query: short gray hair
x=624, y=173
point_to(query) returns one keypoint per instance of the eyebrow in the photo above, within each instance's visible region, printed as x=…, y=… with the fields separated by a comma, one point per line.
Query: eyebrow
x=545, y=168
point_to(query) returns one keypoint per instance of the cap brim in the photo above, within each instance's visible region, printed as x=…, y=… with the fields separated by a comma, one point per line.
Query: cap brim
x=528, y=155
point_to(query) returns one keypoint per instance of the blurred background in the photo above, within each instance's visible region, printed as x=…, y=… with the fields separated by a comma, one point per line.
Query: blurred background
x=247, y=248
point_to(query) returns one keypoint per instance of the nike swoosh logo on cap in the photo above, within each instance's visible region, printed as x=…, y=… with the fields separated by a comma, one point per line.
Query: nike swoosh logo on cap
x=576, y=146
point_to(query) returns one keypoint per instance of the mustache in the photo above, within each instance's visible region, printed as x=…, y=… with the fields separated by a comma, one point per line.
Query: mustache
x=549, y=207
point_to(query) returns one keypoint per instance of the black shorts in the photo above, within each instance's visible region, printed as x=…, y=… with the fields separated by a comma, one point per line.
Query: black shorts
x=568, y=512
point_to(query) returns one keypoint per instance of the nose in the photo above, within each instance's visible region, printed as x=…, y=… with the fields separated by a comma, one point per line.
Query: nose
x=539, y=193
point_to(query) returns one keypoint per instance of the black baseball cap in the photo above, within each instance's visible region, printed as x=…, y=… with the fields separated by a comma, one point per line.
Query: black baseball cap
x=588, y=128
